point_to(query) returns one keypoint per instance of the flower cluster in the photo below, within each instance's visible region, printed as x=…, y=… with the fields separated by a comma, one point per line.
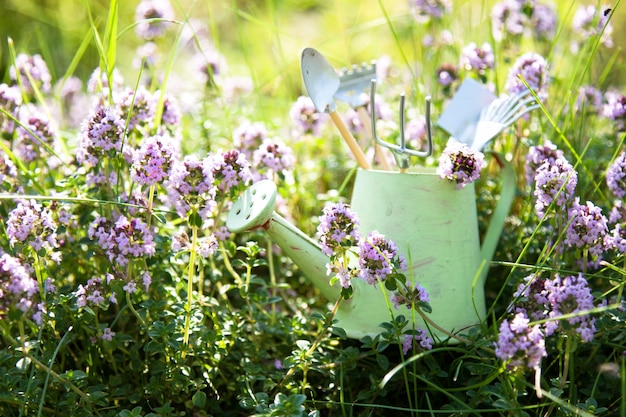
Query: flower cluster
x=31, y=72
x=152, y=162
x=419, y=337
x=378, y=257
x=513, y=18
x=231, y=170
x=140, y=105
x=410, y=296
x=615, y=109
x=555, y=182
x=32, y=224
x=305, y=118
x=10, y=100
x=460, y=164
x=101, y=135
x=615, y=176
x=552, y=298
x=589, y=100
x=425, y=10
x=17, y=289
x=539, y=155
x=122, y=240
x=191, y=187
x=519, y=344
x=338, y=229
x=475, y=58
x=274, y=156
x=589, y=22
x=92, y=294
x=533, y=69
x=587, y=227
x=35, y=132
x=152, y=18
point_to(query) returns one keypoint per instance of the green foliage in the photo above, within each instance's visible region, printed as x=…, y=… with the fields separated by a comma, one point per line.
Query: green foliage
x=241, y=331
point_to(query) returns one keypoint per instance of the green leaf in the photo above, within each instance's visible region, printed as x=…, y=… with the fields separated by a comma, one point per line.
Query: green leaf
x=199, y=399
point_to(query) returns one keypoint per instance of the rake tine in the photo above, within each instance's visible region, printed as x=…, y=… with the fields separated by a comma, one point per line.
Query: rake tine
x=516, y=116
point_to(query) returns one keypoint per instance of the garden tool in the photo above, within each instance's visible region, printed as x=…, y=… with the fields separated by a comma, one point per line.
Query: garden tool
x=500, y=114
x=322, y=82
x=434, y=226
x=354, y=81
x=461, y=115
x=400, y=152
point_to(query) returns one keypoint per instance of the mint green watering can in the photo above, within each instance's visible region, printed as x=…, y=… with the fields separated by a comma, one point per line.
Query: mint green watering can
x=433, y=224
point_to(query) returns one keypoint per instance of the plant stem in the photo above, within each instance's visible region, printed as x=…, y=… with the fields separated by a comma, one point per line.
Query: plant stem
x=192, y=264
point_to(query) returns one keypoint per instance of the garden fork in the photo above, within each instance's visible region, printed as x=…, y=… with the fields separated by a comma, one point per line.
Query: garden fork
x=354, y=82
x=499, y=114
x=400, y=152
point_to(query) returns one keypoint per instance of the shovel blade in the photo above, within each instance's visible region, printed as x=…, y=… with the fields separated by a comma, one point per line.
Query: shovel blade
x=320, y=79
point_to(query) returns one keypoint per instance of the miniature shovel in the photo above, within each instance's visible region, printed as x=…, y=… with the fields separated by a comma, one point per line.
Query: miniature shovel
x=322, y=82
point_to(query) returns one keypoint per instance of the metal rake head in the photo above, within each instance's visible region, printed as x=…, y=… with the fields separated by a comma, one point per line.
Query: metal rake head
x=500, y=114
x=354, y=81
x=400, y=152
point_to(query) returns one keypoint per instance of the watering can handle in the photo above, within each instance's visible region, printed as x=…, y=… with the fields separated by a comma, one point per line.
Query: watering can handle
x=492, y=236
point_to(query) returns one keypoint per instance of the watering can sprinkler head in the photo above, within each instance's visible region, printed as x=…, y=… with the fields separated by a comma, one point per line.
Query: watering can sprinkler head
x=254, y=208
x=400, y=152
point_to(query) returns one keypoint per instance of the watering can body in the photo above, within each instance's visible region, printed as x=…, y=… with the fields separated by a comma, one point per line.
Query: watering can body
x=434, y=226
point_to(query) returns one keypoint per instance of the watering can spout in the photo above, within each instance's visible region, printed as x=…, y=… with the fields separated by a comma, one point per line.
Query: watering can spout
x=255, y=209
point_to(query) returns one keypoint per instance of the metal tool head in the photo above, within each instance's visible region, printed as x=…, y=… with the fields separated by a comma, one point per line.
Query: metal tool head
x=500, y=114
x=320, y=79
x=400, y=152
x=461, y=115
x=354, y=82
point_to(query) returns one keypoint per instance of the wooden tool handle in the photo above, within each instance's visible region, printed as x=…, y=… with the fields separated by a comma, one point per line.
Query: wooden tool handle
x=367, y=126
x=347, y=136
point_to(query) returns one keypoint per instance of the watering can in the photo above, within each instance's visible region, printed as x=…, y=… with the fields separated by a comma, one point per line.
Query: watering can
x=434, y=226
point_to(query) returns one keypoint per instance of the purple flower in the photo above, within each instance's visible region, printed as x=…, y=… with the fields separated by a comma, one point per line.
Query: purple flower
x=587, y=227
x=589, y=22
x=17, y=288
x=615, y=109
x=537, y=156
x=32, y=224
x=123, y=239
x=378, y=257
x=519, y=344
x=415, y=132
x=616, y=239
x=10, y=101
x=421, y=336
x=338, y=229
x=107, y=334
x=152, y=162
x=341, y=273
x=8, y=173
x=36, y=130
x=508, y=19
x=477, y=59
x=425, y=10
x=101, y=135
x=446, y=75
x=249, y=136
x=191, y=187
x=92, y=293
x=147, y=28
x=568, y=295
x=555, y=181
x=533, y=69
x=33, y=73
x=99, y=81
x=589, y=100
x=171, y=116
x=140, y=104
x=210, y=65
x=305, y=118
x=460, y=164
x=543, y=20
x=231, y=171
x=273, y=155
x=410, y=296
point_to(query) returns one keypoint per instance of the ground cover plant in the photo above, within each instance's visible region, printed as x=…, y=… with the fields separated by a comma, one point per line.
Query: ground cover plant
x=127, y=131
